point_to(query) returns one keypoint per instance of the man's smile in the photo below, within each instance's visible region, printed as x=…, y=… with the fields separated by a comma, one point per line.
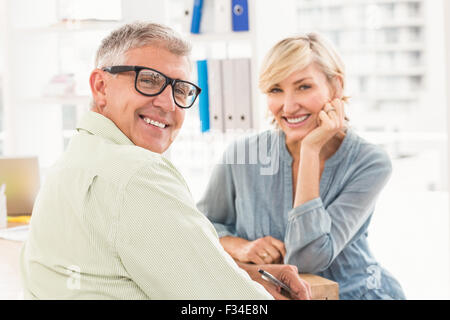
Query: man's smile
x=153, y=122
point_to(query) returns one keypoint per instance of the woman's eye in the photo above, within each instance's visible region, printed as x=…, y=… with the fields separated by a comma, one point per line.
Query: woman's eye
x=274, y=90
x=304, y=87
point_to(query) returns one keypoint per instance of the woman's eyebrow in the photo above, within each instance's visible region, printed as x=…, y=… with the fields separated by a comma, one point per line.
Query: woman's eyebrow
x=301, y=80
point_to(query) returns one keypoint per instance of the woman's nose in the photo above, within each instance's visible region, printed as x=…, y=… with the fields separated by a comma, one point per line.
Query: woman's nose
x=290, y=104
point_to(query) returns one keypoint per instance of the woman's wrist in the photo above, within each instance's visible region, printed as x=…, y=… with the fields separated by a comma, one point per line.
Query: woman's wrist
x=309, y=149
x=308, y=179
x=232, y=245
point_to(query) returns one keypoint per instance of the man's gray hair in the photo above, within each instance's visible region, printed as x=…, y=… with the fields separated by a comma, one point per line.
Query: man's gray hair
x=113, y=48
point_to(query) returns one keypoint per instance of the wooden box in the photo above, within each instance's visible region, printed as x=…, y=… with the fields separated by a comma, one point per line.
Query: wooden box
x=322, y=289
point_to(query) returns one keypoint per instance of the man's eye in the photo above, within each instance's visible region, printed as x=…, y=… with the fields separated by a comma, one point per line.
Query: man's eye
x=148, y=81
x=181, y=92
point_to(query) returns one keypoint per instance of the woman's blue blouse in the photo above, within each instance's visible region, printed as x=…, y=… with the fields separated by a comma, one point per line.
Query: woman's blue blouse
x=250, y=195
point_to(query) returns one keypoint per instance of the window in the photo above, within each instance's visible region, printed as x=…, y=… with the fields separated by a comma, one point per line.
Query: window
x=398, y=102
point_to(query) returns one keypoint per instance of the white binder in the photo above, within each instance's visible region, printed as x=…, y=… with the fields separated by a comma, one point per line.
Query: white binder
x=222, y=16
x=242, y=94
x=216, y=120
x=186, y=15
x=228, y=93
x=207, y=23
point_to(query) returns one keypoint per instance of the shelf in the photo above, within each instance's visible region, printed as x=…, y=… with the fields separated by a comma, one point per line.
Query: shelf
x=314, y=4
x=408, y=72
x=63, y=100
x=404, y=136
x=78, y=26
x=400, y=96
x=413, y=46
x=219, y=37
x=392, y=24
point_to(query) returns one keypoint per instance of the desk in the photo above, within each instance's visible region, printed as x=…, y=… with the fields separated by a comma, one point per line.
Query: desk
x=11, y=288
x=322, y=289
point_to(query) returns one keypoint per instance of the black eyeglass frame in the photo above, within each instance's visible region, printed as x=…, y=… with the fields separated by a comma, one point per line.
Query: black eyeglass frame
x=172, y=82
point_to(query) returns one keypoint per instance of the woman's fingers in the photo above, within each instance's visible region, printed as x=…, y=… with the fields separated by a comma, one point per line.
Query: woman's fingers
x=273, y=253
x=266, y=250
x=256, y=258
x=279, y=245
x=338, y=106
x=335, y=111
x=325, y=119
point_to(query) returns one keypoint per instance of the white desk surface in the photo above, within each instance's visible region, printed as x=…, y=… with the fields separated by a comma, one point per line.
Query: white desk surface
x=10, y=285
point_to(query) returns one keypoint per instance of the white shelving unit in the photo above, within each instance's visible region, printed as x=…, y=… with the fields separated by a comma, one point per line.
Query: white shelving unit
x=195, y=153
x=39, y=45
x=395, y=54
x=388, y=47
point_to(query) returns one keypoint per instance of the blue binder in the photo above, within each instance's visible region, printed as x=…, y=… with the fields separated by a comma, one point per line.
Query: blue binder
x=196, y=16
x=203, y=103
x=239, y=12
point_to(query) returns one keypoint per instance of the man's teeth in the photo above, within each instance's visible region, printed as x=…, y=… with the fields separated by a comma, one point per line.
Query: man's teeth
x=155, y=123
x=297, y=120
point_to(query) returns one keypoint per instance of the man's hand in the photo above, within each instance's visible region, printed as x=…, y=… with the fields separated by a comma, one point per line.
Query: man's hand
x=287, y=274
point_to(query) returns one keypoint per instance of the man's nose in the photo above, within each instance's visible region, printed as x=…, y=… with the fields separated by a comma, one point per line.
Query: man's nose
x=164, y=100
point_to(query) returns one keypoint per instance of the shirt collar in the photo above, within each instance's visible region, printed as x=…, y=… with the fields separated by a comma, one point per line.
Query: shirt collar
x=333, y=160
x=96, y=124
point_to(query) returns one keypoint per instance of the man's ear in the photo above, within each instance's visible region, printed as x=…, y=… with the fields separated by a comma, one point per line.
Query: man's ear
x=97, y=82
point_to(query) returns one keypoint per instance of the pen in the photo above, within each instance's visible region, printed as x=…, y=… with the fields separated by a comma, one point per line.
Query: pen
x=268, y=277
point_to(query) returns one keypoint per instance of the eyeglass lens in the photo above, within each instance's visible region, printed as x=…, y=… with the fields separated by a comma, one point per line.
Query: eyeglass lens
x=152, y=82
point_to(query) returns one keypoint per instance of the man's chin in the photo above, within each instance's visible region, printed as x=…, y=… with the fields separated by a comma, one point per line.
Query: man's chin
x=154, y=147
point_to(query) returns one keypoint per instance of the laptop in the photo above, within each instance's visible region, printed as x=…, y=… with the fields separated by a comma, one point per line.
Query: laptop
x=21, y=176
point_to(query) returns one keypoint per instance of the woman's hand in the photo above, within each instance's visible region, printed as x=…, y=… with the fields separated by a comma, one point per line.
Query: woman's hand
x=331, y=121
x=260, y=251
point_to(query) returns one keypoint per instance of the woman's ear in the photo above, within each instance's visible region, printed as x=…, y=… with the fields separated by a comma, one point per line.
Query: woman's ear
x=338, y=86
x=97, y=82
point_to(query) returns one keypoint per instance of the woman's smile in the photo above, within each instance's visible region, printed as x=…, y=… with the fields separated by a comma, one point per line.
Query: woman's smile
x=297, y=121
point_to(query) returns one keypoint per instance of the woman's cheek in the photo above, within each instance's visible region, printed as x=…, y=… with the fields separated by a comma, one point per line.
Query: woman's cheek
x=274, y=105
x=316, y=103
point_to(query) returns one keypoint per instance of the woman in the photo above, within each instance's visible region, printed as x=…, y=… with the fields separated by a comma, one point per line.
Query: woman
x=313, y=209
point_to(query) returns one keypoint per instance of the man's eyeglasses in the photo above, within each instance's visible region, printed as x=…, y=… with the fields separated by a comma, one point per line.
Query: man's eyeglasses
x=150, y=82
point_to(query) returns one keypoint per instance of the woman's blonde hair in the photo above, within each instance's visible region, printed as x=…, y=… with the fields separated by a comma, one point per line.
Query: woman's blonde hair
x=296, y=53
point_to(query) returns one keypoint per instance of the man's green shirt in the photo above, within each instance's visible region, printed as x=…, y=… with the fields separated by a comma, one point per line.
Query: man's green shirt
x=116, y=221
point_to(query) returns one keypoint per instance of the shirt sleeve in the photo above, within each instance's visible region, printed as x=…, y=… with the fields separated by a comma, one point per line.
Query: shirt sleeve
x=315, y=235
x=217, y=204
x=169, y=249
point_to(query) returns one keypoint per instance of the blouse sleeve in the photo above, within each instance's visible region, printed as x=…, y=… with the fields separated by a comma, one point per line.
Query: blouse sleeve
x=316, y=234
x=218, y=201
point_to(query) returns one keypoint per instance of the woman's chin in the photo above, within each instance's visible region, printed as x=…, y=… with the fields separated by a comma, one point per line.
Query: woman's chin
x=296, y=135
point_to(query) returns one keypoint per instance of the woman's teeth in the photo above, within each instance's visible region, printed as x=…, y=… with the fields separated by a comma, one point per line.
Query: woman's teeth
x=297, y=120
x=154, y=122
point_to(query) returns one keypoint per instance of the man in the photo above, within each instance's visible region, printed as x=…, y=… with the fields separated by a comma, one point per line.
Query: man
x=114, y=218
